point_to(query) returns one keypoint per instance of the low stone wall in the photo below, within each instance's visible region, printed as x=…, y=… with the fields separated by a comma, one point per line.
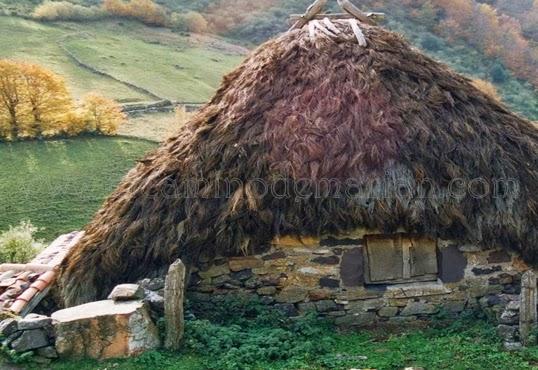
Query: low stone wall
x=32, y=335
x=327, y=276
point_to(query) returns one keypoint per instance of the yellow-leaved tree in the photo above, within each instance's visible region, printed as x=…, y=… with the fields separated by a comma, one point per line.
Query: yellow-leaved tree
x=14, y=107
x=101, y=115
x=50, y=103
x=35, y=103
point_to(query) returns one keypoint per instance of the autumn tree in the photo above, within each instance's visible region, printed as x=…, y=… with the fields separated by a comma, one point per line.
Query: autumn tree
x=33, y=101
x=101, y=115
x=50, y=102
x=13, y=107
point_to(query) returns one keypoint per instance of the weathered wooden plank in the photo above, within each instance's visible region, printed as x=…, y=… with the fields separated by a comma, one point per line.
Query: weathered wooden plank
x=310, y=13
x=527, y=313
x=358, y=33
x=335, y=16
x=174, y=288
x=348, y=7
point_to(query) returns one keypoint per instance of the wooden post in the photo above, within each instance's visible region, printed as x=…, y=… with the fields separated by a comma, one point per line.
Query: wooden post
x=174, y=288
x=527, y=312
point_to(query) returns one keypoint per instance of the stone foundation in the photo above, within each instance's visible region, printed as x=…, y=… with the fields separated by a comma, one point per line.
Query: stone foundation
x=328, y=276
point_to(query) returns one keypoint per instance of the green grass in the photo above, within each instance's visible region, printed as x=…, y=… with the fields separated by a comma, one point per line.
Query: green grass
x=35, y=42
x=59, y=184
x=168, y=64
x=467, y=344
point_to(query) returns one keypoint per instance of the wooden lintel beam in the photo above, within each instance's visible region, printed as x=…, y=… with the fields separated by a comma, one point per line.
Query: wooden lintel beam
x=373, y=15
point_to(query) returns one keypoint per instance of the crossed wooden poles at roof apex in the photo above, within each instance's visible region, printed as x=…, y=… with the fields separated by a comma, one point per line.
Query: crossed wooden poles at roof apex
x=315, y=9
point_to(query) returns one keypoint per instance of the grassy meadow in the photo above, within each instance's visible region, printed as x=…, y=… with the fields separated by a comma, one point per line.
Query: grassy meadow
x=59, y=184
x=168, y=64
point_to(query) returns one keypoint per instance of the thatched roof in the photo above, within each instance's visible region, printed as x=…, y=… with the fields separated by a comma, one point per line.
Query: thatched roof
x=304, y=109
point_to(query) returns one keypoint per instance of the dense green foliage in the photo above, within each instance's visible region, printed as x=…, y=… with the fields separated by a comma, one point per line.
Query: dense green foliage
x=251, y=337
x=59, y=184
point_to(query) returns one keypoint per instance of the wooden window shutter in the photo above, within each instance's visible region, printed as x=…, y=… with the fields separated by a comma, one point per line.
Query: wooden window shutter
x=400, y=258
x=384, y=258
x=423, y=256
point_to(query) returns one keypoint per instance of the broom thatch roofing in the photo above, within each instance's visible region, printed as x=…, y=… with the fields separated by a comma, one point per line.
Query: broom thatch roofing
x=310, y=112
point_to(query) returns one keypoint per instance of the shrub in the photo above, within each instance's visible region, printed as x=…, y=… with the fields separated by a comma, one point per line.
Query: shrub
x=498, y=73
x=66, y=11
x=189, y=22
x=18, y=245
x=432, y=43
x=146, y=11
x=101, y=115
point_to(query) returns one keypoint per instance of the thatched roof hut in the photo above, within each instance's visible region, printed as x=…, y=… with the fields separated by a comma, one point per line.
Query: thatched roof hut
x=315, y=134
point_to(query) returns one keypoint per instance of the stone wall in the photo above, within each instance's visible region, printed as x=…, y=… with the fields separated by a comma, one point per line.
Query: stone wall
x=327, y=276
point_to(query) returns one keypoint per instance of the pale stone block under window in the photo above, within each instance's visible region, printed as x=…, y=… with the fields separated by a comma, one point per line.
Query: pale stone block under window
x=399, y=258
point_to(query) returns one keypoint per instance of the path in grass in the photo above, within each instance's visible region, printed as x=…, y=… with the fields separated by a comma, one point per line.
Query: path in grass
x=59, y=184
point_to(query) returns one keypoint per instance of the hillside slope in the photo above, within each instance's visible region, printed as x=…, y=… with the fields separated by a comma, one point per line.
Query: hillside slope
x=167, y=64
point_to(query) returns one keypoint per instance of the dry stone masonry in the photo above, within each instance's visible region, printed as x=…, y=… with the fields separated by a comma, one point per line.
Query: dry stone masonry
x=329, y=276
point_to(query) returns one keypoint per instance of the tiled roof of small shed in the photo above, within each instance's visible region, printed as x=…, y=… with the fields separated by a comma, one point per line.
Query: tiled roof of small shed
x=22, y=286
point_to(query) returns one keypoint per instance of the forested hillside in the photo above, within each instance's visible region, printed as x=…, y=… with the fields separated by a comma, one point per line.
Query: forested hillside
x=494, y=40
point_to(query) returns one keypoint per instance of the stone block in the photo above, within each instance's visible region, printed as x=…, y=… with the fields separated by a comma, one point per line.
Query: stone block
x=333, y=242
x=509, y=318
x=320, y=294
x=486, y=270
x=500, y=256
x=356, y=319
x=452, y=264
x=8, y=327
x=388, y=311
x=366, y=305
x=287, y=309
x=30, y=339
x=326, y=260
x=292, y=294
x=352, y=268
x=242, y=275
x=454, y=306
x=152, y=284
x=47, y=352
x=359, y=294
x=266, y=290
x=104, y=329
x=274, y=256
x=402, y=319
x=34, y=321
x=307, y=307
x=214, y=271
x=326, y=305
x=329, y=282
x=292, y=241
x=513, y=306
x=507, y=332
x=418, y=308
x=155, y=302
x=243, y=263
x=126, y=292
x=415, y=290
